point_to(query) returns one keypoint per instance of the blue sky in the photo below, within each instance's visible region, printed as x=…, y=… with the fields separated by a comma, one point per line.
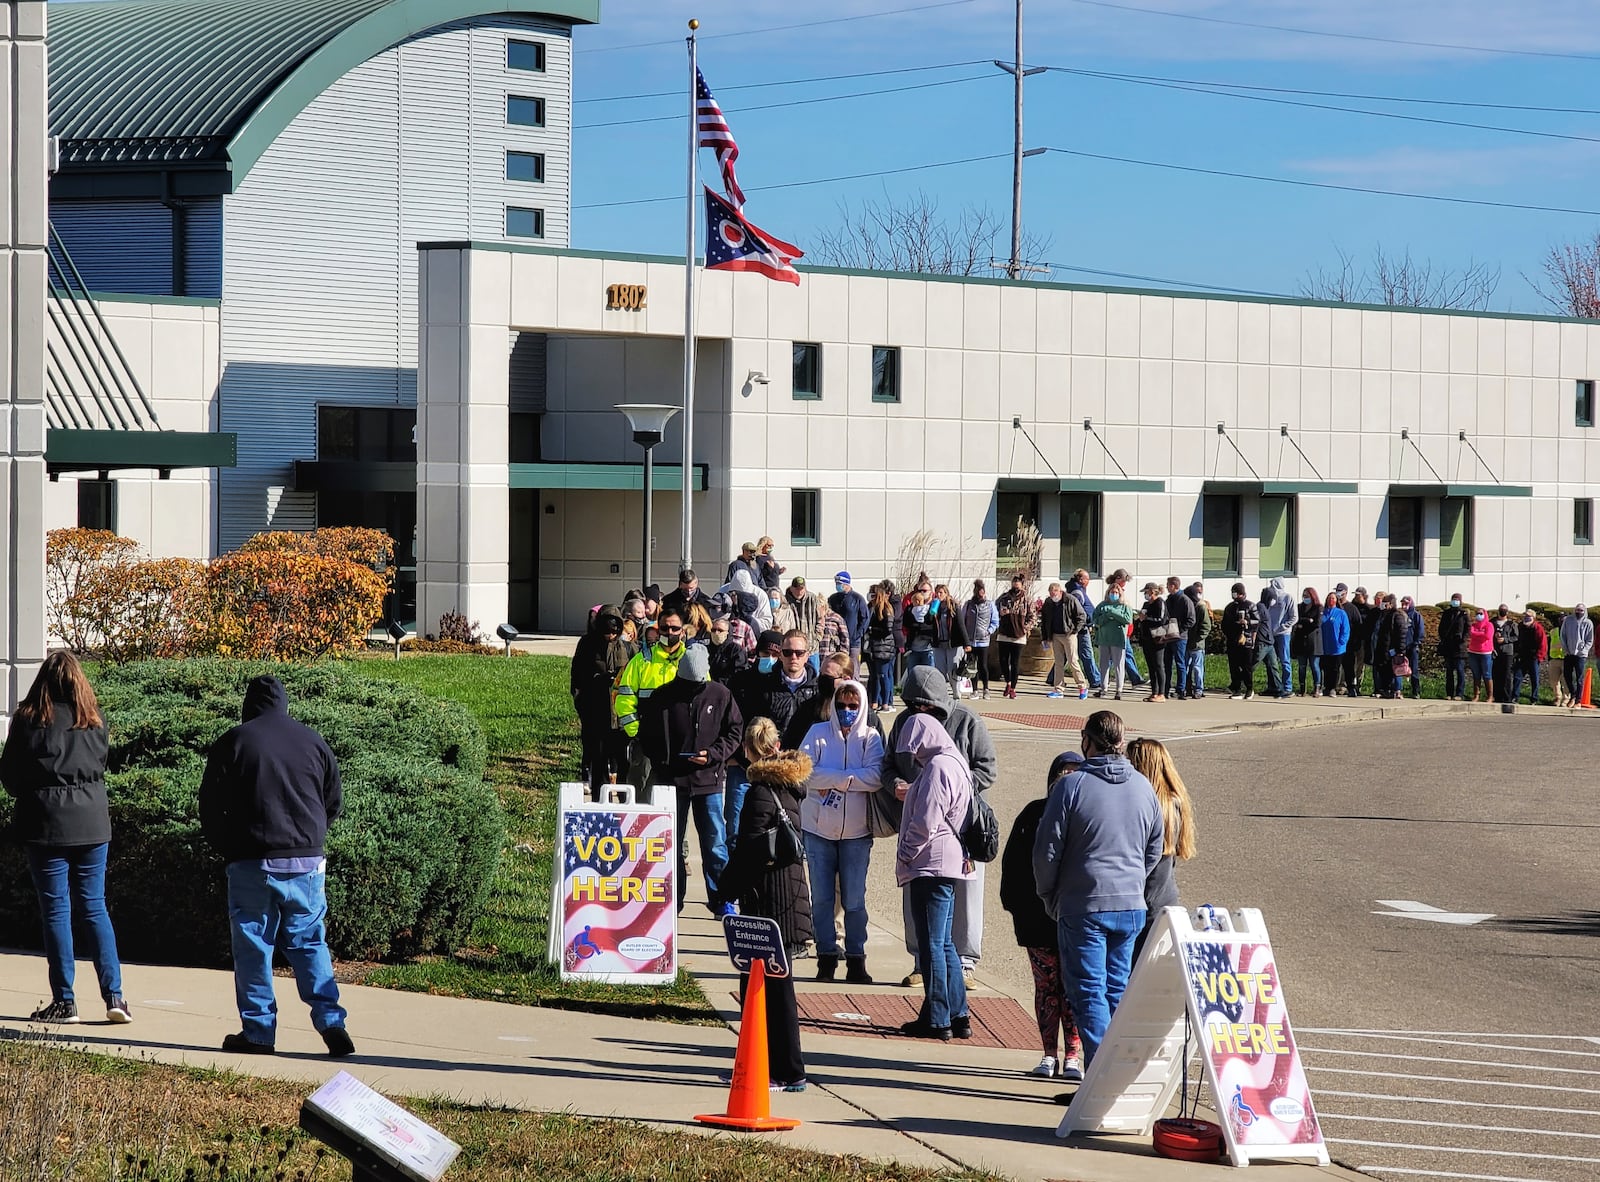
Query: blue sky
x=1098, y=214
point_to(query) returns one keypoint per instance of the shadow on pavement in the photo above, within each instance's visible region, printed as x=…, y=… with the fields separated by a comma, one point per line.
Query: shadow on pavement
x=1571, y=923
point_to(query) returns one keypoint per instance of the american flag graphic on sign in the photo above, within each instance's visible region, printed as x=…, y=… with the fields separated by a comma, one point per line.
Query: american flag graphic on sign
x=716, y=135
x=619, y=906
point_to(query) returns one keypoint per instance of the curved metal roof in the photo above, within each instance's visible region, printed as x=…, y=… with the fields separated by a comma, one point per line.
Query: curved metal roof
x=170, y=81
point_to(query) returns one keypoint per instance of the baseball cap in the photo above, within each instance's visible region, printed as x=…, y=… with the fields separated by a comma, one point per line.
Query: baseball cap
x=842, y=577
x=798, y=581
x=1361, y=590
x=747, y=548
x=1342, y=589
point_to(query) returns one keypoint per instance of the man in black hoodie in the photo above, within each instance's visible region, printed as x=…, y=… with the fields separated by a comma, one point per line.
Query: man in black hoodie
x=270, y=790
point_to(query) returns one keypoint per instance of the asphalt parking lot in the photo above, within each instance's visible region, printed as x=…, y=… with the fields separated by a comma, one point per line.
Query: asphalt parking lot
x=1466, y=1047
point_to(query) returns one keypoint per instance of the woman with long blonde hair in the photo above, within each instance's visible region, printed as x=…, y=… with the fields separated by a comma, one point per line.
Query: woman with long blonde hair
x=1154, y=762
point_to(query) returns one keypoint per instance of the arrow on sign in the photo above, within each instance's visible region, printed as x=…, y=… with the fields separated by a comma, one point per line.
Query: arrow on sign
x=1411, y=909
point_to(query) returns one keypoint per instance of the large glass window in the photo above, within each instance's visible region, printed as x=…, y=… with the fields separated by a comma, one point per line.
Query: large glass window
x=885, y=374
x=525, y=166
x=1583, y=521
x=1455, y=535
x=1012, y=510
x=524, y=223
x=525, y=55
x=1279, y=542
x=97, y=504
x=523, y=111
x=807, y=381
x=1405, y=535
x=367, y=433
x=1080, y=533
x=1219, y=529
x=805, y=516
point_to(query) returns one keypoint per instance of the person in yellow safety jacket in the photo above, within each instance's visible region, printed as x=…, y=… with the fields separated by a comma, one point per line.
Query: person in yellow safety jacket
x=650, y=669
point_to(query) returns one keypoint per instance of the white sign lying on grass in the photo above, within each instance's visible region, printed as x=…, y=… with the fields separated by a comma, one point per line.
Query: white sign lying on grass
x=407, y=1142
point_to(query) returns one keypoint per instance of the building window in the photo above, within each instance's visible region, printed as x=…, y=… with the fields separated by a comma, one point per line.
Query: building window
x=524, y=223
x=1278, y=536
x=1582, y=521
x=1455, y=536
x=1219, y=529
x=525, y=55
x=97, y=504
x=805, y=516
x=372, y=434
x=525, y=166
x=522, y=111
x=1080, y=533
x=807, y=381
x=1586, y=402
x=885, y=374
x=1405, y=535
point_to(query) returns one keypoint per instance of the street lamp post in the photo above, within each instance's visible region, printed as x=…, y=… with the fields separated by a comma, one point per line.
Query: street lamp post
x=649, y=423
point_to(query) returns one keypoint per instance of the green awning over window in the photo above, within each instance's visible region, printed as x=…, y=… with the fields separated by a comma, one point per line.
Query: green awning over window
x=1280, y=488
x=601, y=476
x=1064, y=484
x=1460, y=490
x=68, y=450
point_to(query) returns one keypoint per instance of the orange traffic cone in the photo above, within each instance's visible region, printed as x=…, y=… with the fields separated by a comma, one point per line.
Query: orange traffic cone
x=1585, y=703
x=749, y=1095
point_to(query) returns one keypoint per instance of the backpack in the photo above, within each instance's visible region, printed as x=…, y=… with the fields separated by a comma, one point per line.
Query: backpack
x=980, y=836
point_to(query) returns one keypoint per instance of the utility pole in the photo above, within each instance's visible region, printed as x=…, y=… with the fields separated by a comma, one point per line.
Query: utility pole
x=1015, y=268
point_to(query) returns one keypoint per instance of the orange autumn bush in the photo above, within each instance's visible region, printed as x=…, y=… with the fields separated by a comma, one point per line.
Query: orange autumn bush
x=291, y=606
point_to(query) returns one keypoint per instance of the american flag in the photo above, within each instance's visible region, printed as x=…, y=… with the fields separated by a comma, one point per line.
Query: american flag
x=716, y=135
x=733, y=244
x=606, y=927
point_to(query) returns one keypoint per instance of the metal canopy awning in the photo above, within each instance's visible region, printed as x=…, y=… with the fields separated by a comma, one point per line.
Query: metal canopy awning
x=1064, y=484
x=1460, y=490
x=67, y=450
x=601, y=476
x=1279, y=488
x=354, y=476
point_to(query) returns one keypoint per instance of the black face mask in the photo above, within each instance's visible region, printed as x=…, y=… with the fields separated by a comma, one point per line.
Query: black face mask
x=825, y=687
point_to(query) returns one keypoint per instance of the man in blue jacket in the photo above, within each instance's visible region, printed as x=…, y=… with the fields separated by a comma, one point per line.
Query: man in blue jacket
x=1079, y=590
x=271, y=787
x=851, y=607
x=1099, y=838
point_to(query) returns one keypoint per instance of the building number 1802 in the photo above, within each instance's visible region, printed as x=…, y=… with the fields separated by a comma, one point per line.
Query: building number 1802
x=625, y=297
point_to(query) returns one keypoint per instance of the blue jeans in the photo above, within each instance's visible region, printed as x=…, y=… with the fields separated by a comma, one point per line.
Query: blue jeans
x=1096, y=958
x=944, y=989
x=708, y=813
x=843, y=862
x=1197, y=672
x=882, y=687
x=914, y=659
x=1086, y=659
x=64, y=877
x=1135, y=678
x=1175, y=661
x=1280, y=645
x=1526, y=671
x=1301, y=664
x=738, y=784
x=265, y=911
x=1414, y=655
x=1455, y=675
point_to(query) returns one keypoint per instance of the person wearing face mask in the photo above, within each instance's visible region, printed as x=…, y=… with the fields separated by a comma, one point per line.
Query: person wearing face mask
x=750, y=695
x=1480, y=654
x=1416, y=634
x=920, y=623
x=1452, y=648
x=851, y=607
x=1505, y=652
x=746, y=602
x=1153, y=619
x=981, y=620
x=1533, y=649
x=1016, y=621
x=929, y=862
x=602, y=653
x=952, y=640
x=1305, y=643
x=651, y=668
x=1100, y=838
x=728, y=658
x=1242, y=630
x=882, y=647
x=1061, y=618
x=1577, y=642
x=781, y=693
x=1363, y=616
x=1335, y=629
x=1110, y=624
x=847, y=765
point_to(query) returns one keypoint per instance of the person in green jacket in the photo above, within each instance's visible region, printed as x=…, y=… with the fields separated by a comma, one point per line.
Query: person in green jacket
x=1110, y=623
x=651, y=668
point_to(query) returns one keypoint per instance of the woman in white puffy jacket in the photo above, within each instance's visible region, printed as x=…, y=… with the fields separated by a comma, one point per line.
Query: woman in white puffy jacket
x=846, y=755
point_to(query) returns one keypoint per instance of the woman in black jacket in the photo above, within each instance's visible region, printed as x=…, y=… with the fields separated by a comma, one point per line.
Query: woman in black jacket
x=54, y=763
x=602, y=653
x=882, y=650
x=777, y=780
x=1153, y=616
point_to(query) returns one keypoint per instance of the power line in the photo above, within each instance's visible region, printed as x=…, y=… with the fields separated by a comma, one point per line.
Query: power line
x=1279, y=180
x=1286, y=102
x=1217, y=20
x=619, y=98
x=1170, y=282
x=835, y=20
x=830, y=98
x=827, y=180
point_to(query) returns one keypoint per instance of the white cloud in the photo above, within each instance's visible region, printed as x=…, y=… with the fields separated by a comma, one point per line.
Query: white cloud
x=1442, y=169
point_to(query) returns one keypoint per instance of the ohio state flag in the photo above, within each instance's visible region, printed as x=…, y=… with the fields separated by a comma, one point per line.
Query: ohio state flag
x=733, y=244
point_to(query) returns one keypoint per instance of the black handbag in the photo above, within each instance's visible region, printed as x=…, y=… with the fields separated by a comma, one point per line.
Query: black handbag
x=980, y=836
x=779, y=846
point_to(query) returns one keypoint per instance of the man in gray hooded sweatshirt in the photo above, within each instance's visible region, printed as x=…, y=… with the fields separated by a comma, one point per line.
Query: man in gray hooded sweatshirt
x=1099, y=838
x=927, y=692
x=1281, y=616
x=1577, y=642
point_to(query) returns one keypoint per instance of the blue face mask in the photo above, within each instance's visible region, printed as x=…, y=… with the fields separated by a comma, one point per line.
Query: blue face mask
x=1306, y=601
x=1113, y=597
x=767, y=664
x=838, y=586
x=919, y=612
x=1455, y=603
x=848, y=715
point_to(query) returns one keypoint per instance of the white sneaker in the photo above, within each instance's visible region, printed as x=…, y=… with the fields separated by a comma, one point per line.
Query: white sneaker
x=1046, y=1068
x=1071, y=1069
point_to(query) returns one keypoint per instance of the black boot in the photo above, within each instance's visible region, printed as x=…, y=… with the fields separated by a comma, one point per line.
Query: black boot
x=827, y=966
x=856, y=970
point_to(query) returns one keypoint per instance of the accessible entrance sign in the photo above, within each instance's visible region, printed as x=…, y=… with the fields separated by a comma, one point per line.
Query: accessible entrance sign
x=1216, y=982
x=614, y=900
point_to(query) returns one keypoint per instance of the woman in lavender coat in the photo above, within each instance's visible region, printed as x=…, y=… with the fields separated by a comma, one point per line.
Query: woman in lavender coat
x=928, y=862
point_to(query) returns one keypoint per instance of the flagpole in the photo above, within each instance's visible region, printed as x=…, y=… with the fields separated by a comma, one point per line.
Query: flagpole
x=690, y=209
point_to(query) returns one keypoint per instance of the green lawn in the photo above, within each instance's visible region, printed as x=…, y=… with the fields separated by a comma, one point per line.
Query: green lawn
x=526, y=712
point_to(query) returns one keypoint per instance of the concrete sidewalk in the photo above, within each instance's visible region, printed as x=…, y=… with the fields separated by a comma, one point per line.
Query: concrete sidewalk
x=943, y=1106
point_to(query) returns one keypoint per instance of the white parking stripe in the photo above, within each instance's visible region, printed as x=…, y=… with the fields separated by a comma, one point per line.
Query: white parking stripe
x=1454, y=1102
x=1451, y=1042
x=1482, y=1083
x=1436, y=1124
x=1442, y=1174
x=1447, y=1033
x=1459, y=1149
x=1459, y=1062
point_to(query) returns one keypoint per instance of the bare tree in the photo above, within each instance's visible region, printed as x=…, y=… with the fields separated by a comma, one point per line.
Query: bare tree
x=1402, y=281
x=1570, y=279
x=913, y=236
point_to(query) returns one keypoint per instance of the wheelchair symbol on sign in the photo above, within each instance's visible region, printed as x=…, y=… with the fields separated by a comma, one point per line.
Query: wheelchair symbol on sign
x=1242, y=1112
x=583, y=946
